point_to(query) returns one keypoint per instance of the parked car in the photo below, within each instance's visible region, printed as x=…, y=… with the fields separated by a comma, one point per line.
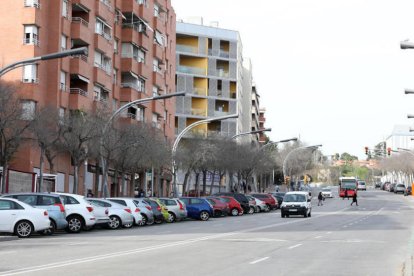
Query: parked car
x=378, y=185
x=252, y=203
x=407, y=191
x=279, y=197
x=198, y=208
x=79, y=212
x=119, y=215
x=22, y=219
x=261, y=205
x=296, y=203
x=327, y=192
x=362, y=186
x=241, y=198
x=399, y=188
x=53, y=204
x=391, y=187
x=269, y=199
x=101, y=215
x=157, y=210
x=140, y=214
x=235, y=208
x=176, y=209
x=220, y=207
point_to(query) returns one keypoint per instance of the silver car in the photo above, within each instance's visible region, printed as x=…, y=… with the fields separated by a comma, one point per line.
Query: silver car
x=141, y=217
x=399, y=188
x=261, y=206
x=176, y=209
x=119, y=215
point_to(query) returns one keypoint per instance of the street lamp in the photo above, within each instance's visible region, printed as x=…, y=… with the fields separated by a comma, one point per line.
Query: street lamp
x=116, y=113
x=406, y=45
x=408, y=91
x=251, y=132
x=66, y=53
x=181, y=135
x=278, y=142
x=295, y=150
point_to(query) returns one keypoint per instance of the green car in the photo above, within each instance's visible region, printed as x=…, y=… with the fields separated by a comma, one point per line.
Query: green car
x=164, y=209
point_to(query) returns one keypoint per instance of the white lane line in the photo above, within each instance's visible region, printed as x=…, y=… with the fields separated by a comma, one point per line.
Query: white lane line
x=259, y=260
x=165, y=232
x=7, y=252
x=328, y=233
x=318, y=237
x=150, y=248
x=294, y=246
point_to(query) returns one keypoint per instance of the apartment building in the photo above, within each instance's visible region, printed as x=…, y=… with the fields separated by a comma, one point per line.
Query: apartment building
x=255, y=113
x=210, y=69
x=131, y=55
x=262, y=121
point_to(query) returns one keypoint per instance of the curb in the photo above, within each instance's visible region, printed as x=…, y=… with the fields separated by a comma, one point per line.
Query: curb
x=8, y=238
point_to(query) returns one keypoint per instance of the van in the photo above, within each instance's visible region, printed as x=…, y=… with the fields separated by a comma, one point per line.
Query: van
x=296, y=203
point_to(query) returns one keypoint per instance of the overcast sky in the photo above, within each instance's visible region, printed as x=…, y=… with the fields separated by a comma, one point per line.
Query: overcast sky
x=330, y=71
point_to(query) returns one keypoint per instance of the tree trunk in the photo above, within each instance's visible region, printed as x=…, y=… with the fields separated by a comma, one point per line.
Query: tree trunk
x=41, y=163
x=4, y=177
x=159, y=182
x=116, y=181
x=50, y=158
x=124, y=185
x=230, y=186
x=75, y=179
x=204, y=182
x=187, y=174
x=197, y=188
x=212, y=182
x=97, y=174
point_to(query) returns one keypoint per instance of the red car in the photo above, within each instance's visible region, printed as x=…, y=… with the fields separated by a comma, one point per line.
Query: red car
x=220, y=208
x=270, y=201
x=235, y=208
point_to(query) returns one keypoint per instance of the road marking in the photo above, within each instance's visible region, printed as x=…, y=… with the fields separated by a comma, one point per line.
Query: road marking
x=295, y=246
x=165, y=232
x=318, y=237
x=328, y=232
x=7, y=252
x=255, y=240
x=259, y=260
x=151, y=248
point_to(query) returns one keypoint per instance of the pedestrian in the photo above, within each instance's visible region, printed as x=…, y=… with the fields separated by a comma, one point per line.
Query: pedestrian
x=354, y=199
x=320, y=199
x=345, y=194
x=277, y=188
x=89, y=194
x=136, y=194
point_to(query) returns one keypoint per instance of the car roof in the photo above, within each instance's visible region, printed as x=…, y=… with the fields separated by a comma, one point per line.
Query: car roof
x=30, y=193
x=297, y=193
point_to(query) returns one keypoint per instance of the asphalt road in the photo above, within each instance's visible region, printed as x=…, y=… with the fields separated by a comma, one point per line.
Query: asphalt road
x=375, y=238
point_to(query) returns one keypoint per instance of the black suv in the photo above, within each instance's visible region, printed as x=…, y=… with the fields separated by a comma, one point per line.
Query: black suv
x=241, y=198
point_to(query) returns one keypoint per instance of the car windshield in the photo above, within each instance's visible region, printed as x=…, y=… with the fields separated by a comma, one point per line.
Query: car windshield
x=294, y=198
x=326, y=190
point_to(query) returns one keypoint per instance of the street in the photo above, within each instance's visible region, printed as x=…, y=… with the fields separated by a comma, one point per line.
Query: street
x=374, y=238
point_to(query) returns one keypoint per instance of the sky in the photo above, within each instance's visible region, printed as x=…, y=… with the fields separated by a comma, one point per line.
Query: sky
x=331, y=71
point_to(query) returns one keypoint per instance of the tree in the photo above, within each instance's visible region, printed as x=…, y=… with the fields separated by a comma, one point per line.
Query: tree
x=45, y=128
x=13, y=124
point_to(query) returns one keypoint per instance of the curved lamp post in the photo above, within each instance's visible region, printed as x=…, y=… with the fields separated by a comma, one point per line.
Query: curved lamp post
x=116, y=113
x=251, y=132
x=181, y=135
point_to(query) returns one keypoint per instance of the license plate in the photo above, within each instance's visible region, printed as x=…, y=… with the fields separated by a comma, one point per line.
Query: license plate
x=293, y=210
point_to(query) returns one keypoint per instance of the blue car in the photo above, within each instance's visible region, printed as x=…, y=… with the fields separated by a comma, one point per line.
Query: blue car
x=198, y=208
x=52, y=203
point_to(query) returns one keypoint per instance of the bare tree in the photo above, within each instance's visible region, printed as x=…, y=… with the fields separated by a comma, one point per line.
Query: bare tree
x=13, y=125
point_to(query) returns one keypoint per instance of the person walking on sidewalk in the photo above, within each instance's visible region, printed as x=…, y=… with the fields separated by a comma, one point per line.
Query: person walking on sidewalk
x=320, y=198
x=354, y=199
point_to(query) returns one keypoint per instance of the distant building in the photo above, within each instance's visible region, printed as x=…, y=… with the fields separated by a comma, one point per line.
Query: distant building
x=400, y=137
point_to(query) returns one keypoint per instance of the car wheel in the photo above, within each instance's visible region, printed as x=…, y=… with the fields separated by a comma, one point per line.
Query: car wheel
x=114, y=222
x=75, y=224
x=171, y=217
x=310, y=214
x=234, y=212
x=204, y=215
x=266, y=209
x=144, y=220
x=23, y=229
x=305, y=215
x=282, y=215
x=251, y=210
x=128, y=225
x=49, y=231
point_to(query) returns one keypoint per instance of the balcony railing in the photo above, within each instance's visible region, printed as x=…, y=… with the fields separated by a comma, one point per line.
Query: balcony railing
x=220, y=113
x=31, y=3
x=82, y=57
x=132, y=85
x=191, y=70
x=106, y=68
x=107, y=3
x=80, y=20
x=187, y=49
x=30, y=80
x=221, y=53
x=31, y=41
x=78, y=91
x=222, y=73
x=198, y=111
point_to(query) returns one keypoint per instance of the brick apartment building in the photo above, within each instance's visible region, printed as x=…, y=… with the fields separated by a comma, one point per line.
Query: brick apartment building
x=131, y=55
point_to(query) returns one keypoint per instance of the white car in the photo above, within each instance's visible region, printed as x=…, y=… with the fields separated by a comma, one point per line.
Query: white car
x=79, y=212
x=326, y=192
x=261, y=205
x=362, y=185
x=118, y=215
x=101, y=214
x=296, y=203
x=135, y=209
x=21, y=219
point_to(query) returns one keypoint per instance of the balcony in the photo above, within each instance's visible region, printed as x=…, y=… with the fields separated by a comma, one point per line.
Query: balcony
x=262, y=119
x=220, y=113
x=200, y=91
x=79, y=65
x=187, y=49
x=78, y=91
x=158, y=79
x=220, y=53
x=157, y=107
x=132, y=34
x=159, y=23
x=199, y=112
x=103, y=44
x=101, y=76
x=158, y=51
x=80, y=30
x=132, y=85
x=138, y=68
x=105, y=10
x=222, y=73
x=85, y=3
x=191, y=70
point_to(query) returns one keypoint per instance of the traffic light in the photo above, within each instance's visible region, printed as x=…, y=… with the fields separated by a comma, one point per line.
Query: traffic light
x=389, y=151
x=366, y=150
x=287, y=180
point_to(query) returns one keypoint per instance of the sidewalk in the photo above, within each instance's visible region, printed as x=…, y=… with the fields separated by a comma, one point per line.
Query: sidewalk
x=4, y=238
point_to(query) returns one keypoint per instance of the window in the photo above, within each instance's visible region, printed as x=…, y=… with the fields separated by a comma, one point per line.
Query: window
x=48, y=200
x=63, y=42
x=62, y=81
x=102, y=62
x=30, y=73
x=115, y=78
x=32, y=3
x=65, y=8
x=31, y=35
x=28, y=110
x=154, y=120
x=9, y=205
x=140, y=56
x=156, y=10
x=116, y=42
x=103, y=29
x=100, y=94
x=155, y=91
x=156, y=65
x=140, y=114
x=196, y=201
x=130, y=50
x=159, y=38
x=142, y=2
x=70, y=200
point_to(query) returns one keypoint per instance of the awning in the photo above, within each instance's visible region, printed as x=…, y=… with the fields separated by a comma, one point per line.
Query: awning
x=134, y=75
x=79, y=77
x=81, y=7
